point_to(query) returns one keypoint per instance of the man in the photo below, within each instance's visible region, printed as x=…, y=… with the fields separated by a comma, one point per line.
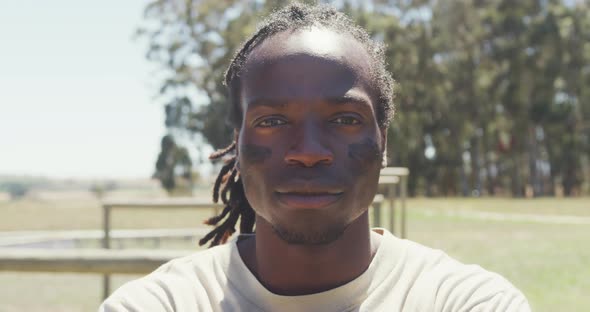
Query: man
x=311, y=103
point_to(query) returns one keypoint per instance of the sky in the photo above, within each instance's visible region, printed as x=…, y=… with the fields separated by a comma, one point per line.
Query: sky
x=75, y=95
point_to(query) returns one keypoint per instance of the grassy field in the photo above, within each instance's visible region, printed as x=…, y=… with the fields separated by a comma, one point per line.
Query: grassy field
x=549, y=260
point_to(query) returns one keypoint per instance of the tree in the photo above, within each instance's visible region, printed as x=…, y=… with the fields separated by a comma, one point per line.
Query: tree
x=16, y=190
x=173, y=163
x=491, y=96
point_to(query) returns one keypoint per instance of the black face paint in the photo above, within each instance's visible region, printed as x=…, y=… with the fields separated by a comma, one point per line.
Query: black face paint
x=364, y=155
x=255, y=154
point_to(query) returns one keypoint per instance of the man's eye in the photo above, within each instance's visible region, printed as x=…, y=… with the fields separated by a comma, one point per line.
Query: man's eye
x=346, y=120
x=270, y=122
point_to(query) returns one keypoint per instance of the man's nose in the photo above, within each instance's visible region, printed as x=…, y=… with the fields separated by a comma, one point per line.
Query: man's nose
x=307, y=148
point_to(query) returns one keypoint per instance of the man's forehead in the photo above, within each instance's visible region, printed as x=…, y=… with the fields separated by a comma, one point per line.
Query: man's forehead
x=312, y=63
x=318, y=43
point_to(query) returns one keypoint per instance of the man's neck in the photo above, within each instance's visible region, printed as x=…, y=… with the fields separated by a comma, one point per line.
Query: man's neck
x=289, y=269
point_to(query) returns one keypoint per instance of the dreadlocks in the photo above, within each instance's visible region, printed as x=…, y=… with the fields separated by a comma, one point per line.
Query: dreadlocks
x=292, y=17
x=236, y=205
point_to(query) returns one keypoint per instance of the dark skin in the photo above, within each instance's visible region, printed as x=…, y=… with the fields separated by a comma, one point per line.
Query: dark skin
x=309, y=154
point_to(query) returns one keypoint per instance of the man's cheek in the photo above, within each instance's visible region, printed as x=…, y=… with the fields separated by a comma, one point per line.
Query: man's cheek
x=363, y=156
x=252, y=154
x=253, y=164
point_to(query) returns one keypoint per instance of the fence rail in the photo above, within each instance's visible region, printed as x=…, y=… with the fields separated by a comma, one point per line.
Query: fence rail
x=28, y=238
x=107, y=261
x=97, y=261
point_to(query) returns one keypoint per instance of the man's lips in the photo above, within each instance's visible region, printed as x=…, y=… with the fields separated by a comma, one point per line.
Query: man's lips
x=307, y=200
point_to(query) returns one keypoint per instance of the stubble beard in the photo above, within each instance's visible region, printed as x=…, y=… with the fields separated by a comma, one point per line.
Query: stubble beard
x=308, y=237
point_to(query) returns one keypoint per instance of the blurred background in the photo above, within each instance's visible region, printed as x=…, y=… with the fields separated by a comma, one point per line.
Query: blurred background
x=118, y=101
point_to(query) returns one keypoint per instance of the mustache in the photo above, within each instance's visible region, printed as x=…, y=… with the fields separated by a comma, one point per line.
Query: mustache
x=319, y=173
x=309, y=180
x=308, y=187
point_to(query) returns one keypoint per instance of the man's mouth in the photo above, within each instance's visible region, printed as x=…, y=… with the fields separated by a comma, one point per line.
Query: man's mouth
x=308, y=200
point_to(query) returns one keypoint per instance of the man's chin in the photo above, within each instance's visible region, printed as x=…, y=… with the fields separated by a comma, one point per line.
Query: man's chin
x=309, y=237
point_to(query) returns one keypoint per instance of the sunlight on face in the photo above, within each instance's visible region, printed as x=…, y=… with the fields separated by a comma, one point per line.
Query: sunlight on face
x=323, y=40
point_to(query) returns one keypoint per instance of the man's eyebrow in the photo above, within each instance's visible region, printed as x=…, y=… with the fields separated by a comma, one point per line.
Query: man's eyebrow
x=259, y=102
x=349, y=99
x=280, y=103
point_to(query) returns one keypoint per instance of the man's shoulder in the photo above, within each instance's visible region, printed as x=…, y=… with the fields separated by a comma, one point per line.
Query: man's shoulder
x=451, y=283
x=171, y=284
x=189, y=266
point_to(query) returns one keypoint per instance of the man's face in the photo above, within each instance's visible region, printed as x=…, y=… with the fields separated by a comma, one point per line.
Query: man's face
x=309, y=148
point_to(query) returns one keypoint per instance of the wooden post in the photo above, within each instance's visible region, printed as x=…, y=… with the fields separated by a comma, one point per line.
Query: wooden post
x=377, y=210
x=403, y=195
x=389, y=182
x=106, y=244
x=391, y=194
x=190, y=203
x=106, y=226
x=400, y=173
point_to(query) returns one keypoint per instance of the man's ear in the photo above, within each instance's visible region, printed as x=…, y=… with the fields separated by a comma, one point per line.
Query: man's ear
x=383, y=133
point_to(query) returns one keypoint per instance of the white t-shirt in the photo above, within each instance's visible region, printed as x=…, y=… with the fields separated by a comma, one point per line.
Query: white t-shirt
x=403, y=276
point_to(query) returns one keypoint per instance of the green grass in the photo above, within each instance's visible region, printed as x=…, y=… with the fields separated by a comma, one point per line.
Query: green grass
x=548, y=262
x=79, y=211
x=45, y=292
